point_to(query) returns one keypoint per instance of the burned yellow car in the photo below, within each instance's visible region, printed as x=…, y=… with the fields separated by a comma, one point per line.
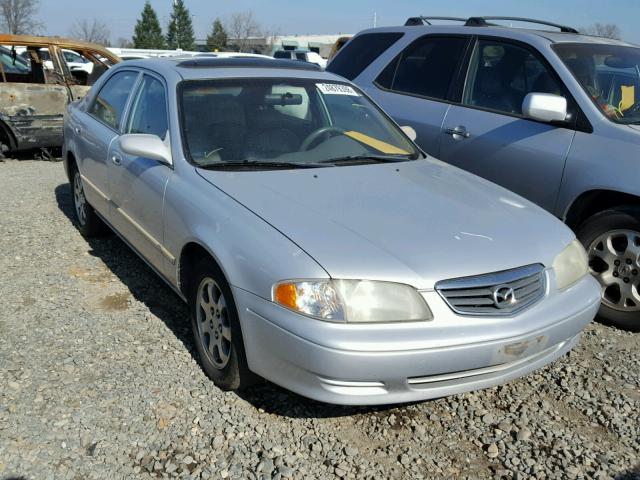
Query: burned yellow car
x=39, y=76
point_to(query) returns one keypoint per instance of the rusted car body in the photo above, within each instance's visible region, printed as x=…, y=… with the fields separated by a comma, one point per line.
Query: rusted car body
x=36, y=84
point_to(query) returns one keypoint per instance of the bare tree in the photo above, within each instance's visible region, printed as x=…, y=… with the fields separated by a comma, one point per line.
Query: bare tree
x=241, y=27
x=91, y=31
x=19, y=16
x=606, y=30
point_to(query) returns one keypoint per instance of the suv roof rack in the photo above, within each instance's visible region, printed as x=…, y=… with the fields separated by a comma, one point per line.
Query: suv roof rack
x=484, y=22
x=244, y=62
x=416, y=21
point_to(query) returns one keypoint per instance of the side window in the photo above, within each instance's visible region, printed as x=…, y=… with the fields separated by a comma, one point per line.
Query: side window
x=425, y=68
x=358, y=54
x=149, y=112
x=109, y=105
x=501, y=75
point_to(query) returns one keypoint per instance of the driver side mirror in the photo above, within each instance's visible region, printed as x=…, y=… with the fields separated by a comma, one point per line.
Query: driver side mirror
x=545, y=107
x=146, y=146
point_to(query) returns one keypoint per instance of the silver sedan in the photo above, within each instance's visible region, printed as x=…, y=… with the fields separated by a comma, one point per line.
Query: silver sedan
x=316, y=245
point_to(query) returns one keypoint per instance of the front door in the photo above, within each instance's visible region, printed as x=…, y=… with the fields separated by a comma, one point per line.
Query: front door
x=488, y=135
x=137, y=184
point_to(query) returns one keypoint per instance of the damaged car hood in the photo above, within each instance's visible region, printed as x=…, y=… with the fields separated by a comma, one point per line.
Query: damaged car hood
x=415, y=222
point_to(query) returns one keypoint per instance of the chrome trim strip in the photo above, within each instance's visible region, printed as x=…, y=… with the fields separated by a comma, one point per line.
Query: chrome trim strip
x=167, y=254
x=94, y=188
x=490, y=279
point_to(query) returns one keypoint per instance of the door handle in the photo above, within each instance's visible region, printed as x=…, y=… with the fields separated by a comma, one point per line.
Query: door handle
x=116, y=159
x=458, y=132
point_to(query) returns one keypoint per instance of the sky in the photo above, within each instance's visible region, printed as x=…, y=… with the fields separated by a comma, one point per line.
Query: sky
x=287, y=17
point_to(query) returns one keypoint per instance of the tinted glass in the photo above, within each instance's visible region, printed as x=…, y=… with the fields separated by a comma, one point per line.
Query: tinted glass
x=282, y=54
x=609, y=74
x=13, y=63
x=284, y=120
x=501, y=75
x=360, y=52
x=109, y=105
x=425, y=68
x=301, y=56
x=149, y=111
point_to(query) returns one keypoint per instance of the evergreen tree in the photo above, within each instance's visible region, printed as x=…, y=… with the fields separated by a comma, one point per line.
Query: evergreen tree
x=148, y=33
x=218, y=38
x=180, y=32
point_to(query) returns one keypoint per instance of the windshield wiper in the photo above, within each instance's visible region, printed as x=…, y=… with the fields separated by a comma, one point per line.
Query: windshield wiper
x=371, y=158
x=258, y=164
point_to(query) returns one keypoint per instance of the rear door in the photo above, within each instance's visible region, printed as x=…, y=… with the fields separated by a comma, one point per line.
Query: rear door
x=488, y=135
x=137, y=184
x=94, y=132
x=415, y=88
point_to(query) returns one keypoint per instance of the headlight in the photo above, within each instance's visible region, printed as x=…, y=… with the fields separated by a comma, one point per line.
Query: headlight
x=353, y=301
x=570, y=265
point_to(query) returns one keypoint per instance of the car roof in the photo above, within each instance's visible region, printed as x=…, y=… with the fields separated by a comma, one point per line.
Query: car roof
x=192, y=68
x=502, y=31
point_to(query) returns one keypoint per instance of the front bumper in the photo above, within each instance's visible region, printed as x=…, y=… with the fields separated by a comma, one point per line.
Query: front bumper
x=405, y=362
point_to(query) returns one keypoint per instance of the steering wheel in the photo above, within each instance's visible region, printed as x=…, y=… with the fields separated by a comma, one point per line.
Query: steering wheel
x=314, y=136
x=635, y=108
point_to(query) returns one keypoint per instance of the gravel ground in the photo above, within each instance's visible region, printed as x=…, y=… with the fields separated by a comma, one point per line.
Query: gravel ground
x=98, y=380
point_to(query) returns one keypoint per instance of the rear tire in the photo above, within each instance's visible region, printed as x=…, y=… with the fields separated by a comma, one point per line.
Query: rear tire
x=88, y=221
x=612, y=241
x=216, y=329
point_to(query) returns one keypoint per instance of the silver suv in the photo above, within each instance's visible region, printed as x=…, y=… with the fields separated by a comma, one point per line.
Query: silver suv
x=553, y=116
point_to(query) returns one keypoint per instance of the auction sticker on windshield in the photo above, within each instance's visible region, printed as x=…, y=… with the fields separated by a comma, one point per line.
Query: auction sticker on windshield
x=336, y=89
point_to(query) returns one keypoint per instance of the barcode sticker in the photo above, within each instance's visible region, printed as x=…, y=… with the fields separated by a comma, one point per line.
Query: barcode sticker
x=336, y=89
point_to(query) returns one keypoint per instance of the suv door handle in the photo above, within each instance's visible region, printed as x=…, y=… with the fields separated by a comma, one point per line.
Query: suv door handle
x=458, y=132
x=116, y=159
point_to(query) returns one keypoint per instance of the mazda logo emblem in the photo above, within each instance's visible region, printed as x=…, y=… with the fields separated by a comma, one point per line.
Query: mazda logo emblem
x=503, y=296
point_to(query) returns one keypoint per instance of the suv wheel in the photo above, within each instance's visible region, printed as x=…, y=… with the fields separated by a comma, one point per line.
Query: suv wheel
x=612, y=241
x=89, y=223
x=216, y=329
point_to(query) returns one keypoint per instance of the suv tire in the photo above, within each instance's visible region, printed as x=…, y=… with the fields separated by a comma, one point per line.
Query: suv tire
x=216, y=329
x=612, y=241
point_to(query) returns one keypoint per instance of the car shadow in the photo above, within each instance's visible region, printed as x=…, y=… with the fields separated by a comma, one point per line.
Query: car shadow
x=146, y=287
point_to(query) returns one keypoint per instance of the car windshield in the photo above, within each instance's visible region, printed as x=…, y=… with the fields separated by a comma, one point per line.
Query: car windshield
x=610, y=74
x=285, y=121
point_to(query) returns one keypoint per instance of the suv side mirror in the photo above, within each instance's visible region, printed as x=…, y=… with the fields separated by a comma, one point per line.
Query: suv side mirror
x=545, y=107
x=146, y=146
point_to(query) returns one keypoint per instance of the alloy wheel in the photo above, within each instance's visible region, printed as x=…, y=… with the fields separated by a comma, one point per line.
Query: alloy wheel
x=214, y=328
x=614, y=260
x=80, y=202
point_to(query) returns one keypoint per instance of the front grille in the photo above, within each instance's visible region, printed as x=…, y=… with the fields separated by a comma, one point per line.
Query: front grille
x=500, y=293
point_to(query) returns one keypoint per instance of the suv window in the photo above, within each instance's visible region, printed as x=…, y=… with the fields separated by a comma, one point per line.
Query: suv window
x=108, y=106
x=358, y=54
x=149, y=112
x=425, y=68
x=501, y=75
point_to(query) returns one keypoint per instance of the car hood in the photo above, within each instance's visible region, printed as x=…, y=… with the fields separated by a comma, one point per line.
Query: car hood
x=635, y=127
x=412, y=222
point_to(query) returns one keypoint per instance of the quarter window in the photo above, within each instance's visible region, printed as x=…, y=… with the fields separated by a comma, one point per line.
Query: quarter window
x=358, y=54
x=501, y=75
x=425, y=68
x=109, y=105
x=149, y=113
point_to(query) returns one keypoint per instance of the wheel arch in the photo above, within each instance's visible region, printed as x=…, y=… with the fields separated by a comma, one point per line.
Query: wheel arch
x=6, y=134
x=190, y=254
x=593, y=201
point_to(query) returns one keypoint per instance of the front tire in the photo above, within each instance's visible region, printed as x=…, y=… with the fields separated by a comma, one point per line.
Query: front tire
x=216, y=329
x=612, y=241
x=89, y=223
